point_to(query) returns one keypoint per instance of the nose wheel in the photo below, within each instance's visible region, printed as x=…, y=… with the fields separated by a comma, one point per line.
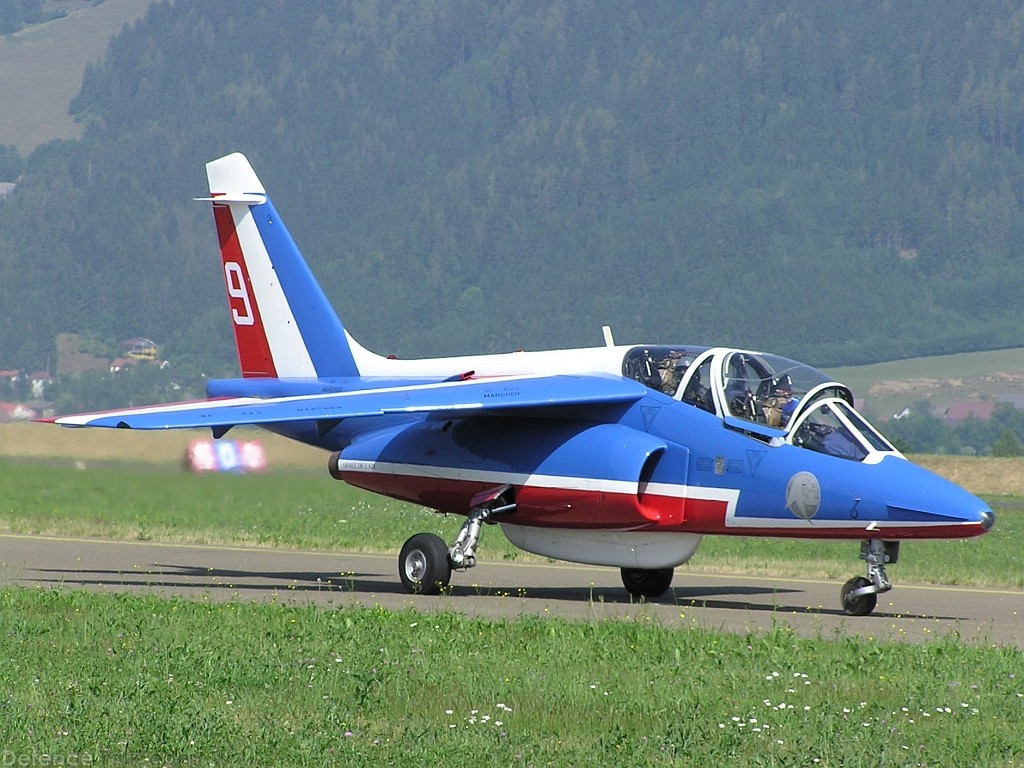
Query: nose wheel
x=860, y=594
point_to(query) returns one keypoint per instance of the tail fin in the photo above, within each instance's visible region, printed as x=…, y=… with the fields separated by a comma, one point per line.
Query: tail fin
x=284, y=324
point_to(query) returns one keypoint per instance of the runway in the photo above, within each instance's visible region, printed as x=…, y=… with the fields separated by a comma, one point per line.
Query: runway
x=508, y=589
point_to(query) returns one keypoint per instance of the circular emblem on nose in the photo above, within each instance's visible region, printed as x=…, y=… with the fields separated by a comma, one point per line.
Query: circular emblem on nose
x=803, y=495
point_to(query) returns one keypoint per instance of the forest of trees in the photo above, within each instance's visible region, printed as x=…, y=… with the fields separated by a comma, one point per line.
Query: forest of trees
x=15, y=14
x=920, y=431
x=835, y=184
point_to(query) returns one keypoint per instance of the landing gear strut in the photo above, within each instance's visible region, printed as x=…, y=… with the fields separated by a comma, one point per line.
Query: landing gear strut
x=860, y=594
x=426, y=563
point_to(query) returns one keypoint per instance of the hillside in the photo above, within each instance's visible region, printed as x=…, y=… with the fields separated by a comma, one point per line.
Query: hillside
x=43, y=66
x=884, y=389
x=476, y=177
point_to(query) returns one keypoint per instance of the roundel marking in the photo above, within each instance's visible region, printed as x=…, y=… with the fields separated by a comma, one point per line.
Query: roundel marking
x=803, y=495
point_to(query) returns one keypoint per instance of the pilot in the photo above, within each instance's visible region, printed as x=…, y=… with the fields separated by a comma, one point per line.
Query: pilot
x=741, y=400
x=839, y=442
x=650, y=373
x=671, y=371
x=737, y=389
x=778, y=408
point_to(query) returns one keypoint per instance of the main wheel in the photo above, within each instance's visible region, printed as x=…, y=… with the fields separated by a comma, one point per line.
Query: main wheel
x=647, y=582
x=423, y=565
x=861, y=605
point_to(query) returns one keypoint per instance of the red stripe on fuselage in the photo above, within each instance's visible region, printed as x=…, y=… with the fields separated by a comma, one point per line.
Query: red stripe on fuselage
x=575, y=508
x=549, y=507
x=254, y=355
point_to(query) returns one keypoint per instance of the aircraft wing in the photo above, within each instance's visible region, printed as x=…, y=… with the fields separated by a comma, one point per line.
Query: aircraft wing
x=455, y=397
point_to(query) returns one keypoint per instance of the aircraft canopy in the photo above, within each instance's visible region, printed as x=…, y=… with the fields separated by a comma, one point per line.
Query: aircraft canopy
x=767, y=396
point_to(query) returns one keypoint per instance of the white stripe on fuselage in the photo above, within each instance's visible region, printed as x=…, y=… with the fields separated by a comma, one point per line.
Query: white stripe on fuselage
x=728, y=496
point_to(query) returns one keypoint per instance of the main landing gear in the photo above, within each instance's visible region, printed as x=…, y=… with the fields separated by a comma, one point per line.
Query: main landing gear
x=860, y=594
x=423, y=564
x=647, y=582
x=426, y=563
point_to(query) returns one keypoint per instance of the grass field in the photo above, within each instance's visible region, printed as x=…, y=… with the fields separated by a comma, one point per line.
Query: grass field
x=129, y=680
x=163, y=448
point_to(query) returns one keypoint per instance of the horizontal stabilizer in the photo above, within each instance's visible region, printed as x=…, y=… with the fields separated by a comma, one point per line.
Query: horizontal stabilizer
x=237, y=197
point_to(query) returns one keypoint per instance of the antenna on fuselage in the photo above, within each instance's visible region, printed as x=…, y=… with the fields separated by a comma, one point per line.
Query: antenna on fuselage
x=607, y=331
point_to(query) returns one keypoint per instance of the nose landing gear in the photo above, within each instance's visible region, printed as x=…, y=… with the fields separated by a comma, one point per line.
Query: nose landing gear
x=860, y=594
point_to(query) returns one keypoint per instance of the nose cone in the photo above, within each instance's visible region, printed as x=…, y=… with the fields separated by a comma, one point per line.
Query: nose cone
x=929, y=506
x=988, y=518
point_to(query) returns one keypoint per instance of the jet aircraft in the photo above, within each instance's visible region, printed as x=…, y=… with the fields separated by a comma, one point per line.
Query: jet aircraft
x=621, y=456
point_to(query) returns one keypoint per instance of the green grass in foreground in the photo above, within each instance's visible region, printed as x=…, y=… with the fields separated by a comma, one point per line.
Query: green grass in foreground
x=136, y=680
x=309, y=510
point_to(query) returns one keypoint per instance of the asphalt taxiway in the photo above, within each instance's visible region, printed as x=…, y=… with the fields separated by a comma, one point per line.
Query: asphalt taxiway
x=508, y=589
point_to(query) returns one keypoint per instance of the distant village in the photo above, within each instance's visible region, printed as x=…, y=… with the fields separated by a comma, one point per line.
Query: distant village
x=24, y=395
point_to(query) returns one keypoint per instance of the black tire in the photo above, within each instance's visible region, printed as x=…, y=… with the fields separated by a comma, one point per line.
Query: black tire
x=861, y=605
x=647, y=582
x=423, y=565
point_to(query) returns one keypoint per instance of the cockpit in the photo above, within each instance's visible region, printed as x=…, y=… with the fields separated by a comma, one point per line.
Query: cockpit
x=770, y=398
